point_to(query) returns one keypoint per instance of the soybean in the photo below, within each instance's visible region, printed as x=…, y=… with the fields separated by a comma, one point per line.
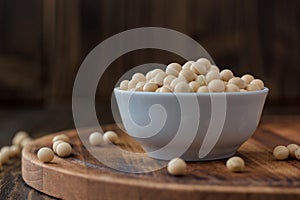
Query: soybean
x=177, y=167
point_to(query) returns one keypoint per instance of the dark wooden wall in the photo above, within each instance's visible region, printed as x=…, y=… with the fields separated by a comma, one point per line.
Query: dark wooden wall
x=20, y=50
x=43, y=42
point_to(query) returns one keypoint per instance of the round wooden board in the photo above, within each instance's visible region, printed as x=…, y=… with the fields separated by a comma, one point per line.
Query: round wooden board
x=81, y=176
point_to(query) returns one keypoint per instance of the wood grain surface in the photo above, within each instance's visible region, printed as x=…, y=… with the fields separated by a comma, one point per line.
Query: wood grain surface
x=83, y=177
x=40, y=65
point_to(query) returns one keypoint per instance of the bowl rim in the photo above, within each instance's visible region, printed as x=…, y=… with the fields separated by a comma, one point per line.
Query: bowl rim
x=243, y=93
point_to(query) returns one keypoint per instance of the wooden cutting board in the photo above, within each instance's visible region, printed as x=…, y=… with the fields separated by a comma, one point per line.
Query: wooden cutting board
x=80, y=176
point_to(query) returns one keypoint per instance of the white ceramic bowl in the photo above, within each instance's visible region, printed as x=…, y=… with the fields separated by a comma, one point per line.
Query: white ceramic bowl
x=193, y=126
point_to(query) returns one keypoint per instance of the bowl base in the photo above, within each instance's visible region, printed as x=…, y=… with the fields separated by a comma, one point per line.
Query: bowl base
x=216, y=154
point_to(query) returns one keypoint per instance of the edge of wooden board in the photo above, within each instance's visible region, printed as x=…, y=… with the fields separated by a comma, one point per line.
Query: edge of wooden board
x=83, y=185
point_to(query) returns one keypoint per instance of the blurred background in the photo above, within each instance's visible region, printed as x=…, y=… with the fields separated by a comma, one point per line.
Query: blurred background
x=43, y=42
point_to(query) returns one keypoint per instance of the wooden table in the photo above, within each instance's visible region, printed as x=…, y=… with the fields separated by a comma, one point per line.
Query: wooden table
x=272, y=131
x=38, y=122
